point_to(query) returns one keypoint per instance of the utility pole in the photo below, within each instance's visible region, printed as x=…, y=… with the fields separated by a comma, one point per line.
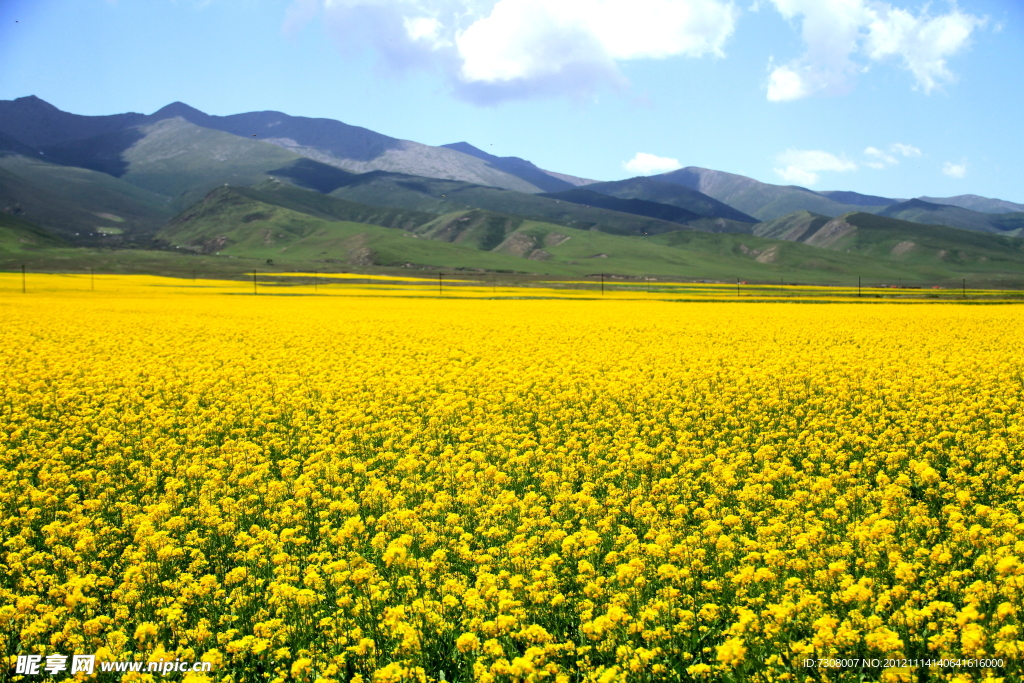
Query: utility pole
x=254, y=282
x=602, y=284
x=439, y=284
x=737, y=286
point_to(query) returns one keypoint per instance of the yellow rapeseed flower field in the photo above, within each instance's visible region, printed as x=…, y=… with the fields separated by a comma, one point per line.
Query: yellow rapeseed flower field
x=422, y=489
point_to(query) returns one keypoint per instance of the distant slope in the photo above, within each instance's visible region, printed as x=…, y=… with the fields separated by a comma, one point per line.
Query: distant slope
x=352, y=148
x=441, y=196
x=674, y=194
x=232, y=223
x=332, y=208
x=39, y=124
x=8, y=145
x=183, y=161
x=521, y=168
x=760, y=200
x=932, y=248
x=976, y=203
x=941, y=214
x=637, y=207
x=17, y=235
x=857, y=199
x=67, y=200
x=791, y=227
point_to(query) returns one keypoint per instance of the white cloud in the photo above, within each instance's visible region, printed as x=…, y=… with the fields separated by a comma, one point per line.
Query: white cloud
x=905, y=150
x=834, y=32
x=786, y=84
x=803, y=166
x=496, y=49
x=880, y=159
x=955, y=170
x=426, y=29
x=923, y=43
x=646, y=164
x=524, y=39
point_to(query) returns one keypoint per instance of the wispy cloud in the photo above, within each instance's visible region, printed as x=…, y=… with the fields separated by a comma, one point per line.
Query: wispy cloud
x=503, y=49
x=647, y=164
x=955, y=170
x=880, y=159
x=843, y=37
x=804, y=166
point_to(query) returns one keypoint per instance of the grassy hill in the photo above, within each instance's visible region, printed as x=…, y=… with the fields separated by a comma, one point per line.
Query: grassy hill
x=637, y=207
x=233, y=222
x=17, y=235
x=445, y=196
x=918, y=211
x=936, y=250
x=976, y=203
x=791, y=227
x=66, y=200
x=930, y=247
x=674, y=194
x=330, y=208
x=521, y=168
x=763, y=201
x=40, y=125
x=175, y=158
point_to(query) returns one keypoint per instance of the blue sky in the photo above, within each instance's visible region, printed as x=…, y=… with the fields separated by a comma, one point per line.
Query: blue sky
x=895, y=98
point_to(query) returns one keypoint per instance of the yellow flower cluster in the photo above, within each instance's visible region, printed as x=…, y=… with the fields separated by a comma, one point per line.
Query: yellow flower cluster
x=392, y=489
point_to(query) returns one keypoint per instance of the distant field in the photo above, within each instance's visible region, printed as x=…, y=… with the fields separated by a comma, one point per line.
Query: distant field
x=400, y=282
x=387, y=487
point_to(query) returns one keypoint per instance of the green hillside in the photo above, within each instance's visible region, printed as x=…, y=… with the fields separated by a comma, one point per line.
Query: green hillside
x=445, y=196
x=976, y=203
x=1011, y=224
x=763, y=201
x=231, y=222
x=791, y=227
x=67, y=200
x=332, y=208
x=183, y=161
x=673, y=194
x=17, y=235
x=924, y=246
x=637, y=207
x=927, y=250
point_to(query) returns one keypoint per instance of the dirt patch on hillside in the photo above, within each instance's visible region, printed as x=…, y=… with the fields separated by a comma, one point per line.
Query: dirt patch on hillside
x=517, y=244
x=553, y=239
x=902, y=248
x=830, y=233
x=361, y=257
x=769, y=255
x=214, y=245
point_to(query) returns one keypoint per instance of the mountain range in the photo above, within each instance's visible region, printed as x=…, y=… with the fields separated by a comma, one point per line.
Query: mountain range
x=184, y=182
